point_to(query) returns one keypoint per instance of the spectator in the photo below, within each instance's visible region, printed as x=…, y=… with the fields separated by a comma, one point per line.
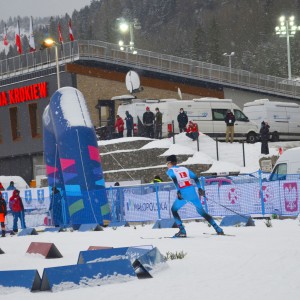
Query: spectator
x=17, y=209
x=158, y=124
x=182, y=119
x=148, y=121
x=3, y=212
x=1, y=187
x=119, y=125
x=264, y=135
x=55, y=207
x=229, y=120
x=129, y=123
x=156, y=179
x=11, y=186
x=117, y=184
x=192, y=131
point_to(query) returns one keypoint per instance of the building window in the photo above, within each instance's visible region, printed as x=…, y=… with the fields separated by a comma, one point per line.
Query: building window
x=14, y=123
x=34, y=120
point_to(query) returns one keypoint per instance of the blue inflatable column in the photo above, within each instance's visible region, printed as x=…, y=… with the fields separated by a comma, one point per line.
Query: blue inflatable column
x=79, y=160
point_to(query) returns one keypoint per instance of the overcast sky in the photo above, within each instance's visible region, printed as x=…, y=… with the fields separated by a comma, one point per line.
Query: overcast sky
x=39, y=8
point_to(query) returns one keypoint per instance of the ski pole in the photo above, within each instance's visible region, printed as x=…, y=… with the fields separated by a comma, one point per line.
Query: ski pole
x=228, y=209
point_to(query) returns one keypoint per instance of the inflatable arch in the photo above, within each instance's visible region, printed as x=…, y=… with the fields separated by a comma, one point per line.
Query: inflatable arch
x=72, y=158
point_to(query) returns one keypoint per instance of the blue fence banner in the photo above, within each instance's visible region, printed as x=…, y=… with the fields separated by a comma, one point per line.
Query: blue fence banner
x=250, y=194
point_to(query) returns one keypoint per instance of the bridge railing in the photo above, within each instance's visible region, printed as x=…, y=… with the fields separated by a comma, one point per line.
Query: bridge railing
x=38, y=60
x=189, y=68
x=169, y=64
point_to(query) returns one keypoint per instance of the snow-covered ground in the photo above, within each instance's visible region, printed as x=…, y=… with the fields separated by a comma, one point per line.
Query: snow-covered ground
x=257, y=263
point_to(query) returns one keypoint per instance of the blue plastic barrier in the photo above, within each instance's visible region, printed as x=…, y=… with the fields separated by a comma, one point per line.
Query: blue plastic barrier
x=29, y=279
x=165, y=223
x=149, y=263
x=237, y=220
x=90, y=227
x=123, y=253
x=82, y=275
x=28, y=231
x=118, y=224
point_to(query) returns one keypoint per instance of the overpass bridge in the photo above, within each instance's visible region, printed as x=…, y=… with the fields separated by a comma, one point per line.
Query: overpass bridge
x=43, y=62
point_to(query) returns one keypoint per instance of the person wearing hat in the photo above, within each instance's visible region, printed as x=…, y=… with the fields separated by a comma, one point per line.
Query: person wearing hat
x=129, y=123
x=3, y=212
x=158, y=124
x=17, y=208
x=148, y=121
x=229, y=120
x=182, y=178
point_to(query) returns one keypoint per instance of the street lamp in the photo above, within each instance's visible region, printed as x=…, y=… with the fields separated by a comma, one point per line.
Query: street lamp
x=287, y=28
x=126, y=26
x=229, y=55
x=49, y=43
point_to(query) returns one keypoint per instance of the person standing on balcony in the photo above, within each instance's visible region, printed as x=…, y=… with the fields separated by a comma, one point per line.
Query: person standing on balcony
x=129, y=123
x=119, y=125
x=182, y=119
x=229, y=120
x=158, y=124
x=148, y=121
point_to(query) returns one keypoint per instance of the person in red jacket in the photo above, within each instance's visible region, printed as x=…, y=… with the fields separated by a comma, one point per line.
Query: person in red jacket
x=17, y=209
x=192, y=131
x=3, y=212
x=119, y=125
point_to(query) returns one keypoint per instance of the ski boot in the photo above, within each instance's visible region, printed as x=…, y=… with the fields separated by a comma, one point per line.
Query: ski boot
x=181, y=233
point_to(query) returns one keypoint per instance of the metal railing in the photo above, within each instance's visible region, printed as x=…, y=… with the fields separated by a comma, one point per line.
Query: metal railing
x=148, y=60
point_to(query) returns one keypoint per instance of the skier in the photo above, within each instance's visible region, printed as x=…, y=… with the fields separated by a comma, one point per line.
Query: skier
x=181, y=177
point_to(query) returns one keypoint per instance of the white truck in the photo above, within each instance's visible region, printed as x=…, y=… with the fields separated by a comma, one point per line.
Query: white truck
x=208, y=113
x=282, y=117
x=287, y=163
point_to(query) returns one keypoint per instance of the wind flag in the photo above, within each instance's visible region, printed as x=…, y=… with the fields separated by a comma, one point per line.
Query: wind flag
x=5, y=42
x=18, y=39
x=70, y=31
x=31, y=37
x=60, y=38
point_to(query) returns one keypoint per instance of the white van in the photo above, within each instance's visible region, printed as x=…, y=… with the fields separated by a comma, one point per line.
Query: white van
x=287, y=163
x=208, y=113
x=282, y=117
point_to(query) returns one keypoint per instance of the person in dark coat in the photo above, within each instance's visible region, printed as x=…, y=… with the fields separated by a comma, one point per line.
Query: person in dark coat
x=11, y=186
x=55, y=207
x=17, y=208
x=182, y=119
x=158, y=123
x=229, y=120
x=148, y=121
x=264, y=135
x=3, y=213
x=129, y=123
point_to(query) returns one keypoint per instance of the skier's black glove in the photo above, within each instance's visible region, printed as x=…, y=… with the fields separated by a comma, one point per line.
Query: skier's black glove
x=179, y=196
x=201, y=192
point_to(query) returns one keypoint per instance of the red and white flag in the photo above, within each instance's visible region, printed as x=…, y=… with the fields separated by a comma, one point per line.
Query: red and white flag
x=31, y=37
x=60, y=38
x=5, y=41
x=71, y=32
x=18, y=39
